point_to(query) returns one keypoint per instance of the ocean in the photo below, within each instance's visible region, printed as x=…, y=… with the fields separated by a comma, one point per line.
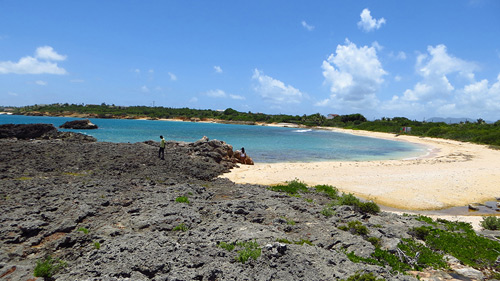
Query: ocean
x=264, y=144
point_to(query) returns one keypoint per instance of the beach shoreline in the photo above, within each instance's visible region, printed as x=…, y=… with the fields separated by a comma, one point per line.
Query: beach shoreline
x=451, y=174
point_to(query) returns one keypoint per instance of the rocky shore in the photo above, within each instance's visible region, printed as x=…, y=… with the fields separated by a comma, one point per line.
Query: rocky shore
x=117, y=212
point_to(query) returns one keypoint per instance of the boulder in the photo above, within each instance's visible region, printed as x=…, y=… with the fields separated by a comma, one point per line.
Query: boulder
x=79, y=125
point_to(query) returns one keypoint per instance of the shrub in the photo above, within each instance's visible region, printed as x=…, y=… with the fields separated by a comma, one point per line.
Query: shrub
x=327, y=212
x=226, y=246
x=348, y=199
x=356, y=227
x=182, y=199
x=491, y=223
x=369, y=207
x=374, y=241
x=181, y=227
x=291, y=188
x=97, y=245
x=84, y=230
x=329, y=190
x=48, y=267
x=250, y=250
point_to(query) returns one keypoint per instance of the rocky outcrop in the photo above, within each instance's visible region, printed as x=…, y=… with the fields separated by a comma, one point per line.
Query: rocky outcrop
x=247, y=160
x=25, y=131
x=79, y=125
x=111, y=212
x=40, y=131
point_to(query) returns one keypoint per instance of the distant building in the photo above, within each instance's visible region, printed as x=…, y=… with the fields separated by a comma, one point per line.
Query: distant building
x=331, y=116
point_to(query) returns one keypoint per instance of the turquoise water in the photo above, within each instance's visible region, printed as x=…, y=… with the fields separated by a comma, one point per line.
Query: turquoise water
x=262, y=143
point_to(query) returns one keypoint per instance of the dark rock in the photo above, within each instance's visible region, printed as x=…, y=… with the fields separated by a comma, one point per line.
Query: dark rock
x=79, y=125
x=25, y=131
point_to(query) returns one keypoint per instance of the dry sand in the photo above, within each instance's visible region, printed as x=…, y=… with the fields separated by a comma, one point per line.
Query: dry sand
x=451, y=174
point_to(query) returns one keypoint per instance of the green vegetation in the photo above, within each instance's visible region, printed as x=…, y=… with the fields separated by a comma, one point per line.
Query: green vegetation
x=300, y=242
x=292, y=187
x=249, y=250
x=330, y=191
x=97, y=245
x=288, y=221
x=226, y=246
x=355, y=227
x=181, y=227
x=48, y=267
x=245, y=251
x=84, y=230
x=374, y=241
x=476, y=132
x=491, y=223
x=363, y=207
x=182, y=199
x=327, y=212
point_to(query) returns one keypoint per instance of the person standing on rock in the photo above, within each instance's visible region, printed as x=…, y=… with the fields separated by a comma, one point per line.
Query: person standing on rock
x=161, y=152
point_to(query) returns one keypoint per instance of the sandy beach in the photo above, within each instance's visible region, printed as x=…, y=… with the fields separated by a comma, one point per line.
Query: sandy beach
x=450, y=174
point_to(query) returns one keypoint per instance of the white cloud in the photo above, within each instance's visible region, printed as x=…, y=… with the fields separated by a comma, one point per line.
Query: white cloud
x=42, y=63
x=13, y=94
x=447, y=88
x=354, y=75
x=367, y=23
x=307, y=26
x=237, y=97
x=173, y=77
x=397, y=78
x=48, y=53
x=193, y=100
x=138, y=71
x=217, y=69
x=274, y=90
x=144, y=89
x=377, y=46
x=218, y=93
x=41, y=83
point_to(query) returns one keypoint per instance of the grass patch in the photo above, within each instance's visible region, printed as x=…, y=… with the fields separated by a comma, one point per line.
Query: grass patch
x=291, y=188
x=491, y=223
x=288, y=221
x=461, y=241
x=48, y=267
x=351, y=200
x=84, y=230
x=327, y=212
x=248, y=250
x=226, y=246
x=355, y=227
x=364, y=277
x=182, y=199
x=24, y=178
x=329, y=190
x=97, y=245
x=181, y=227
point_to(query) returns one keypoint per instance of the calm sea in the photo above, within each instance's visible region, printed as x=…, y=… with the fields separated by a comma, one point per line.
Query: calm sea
x=262, y=143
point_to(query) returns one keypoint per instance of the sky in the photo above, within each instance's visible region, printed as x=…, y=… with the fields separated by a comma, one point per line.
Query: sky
x=386, y=58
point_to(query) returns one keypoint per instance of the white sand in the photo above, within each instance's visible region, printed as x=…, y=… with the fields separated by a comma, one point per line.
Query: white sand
x=452, y=174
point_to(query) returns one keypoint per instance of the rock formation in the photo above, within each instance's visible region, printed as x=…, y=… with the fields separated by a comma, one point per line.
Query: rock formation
x=79, y=125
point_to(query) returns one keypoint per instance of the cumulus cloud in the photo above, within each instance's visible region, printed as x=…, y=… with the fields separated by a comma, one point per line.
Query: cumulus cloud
x=447, y=88
x=435, y=69
x=41, y=83
x=42, y=63
x=367, y=23
x=307, y=26
x=218, y=93
x=275, y=91
x=48, y=53
x=354, y=76
x=217, y=69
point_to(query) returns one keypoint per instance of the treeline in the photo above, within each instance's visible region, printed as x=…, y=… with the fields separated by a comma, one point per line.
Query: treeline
x=477, y=132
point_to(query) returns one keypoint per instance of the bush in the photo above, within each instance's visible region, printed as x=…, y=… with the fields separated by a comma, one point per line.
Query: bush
x=226, y=246
x=181, y=227
x=291, y=188
x=250, y=250
x=329, y=190
x=368, y=207
x=491, y=223
x=48, y=267
x=182, y=199
x=327, y=212
x=363, y=277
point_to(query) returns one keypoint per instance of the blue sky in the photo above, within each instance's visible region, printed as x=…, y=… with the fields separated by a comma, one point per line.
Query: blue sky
x=417, y=59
